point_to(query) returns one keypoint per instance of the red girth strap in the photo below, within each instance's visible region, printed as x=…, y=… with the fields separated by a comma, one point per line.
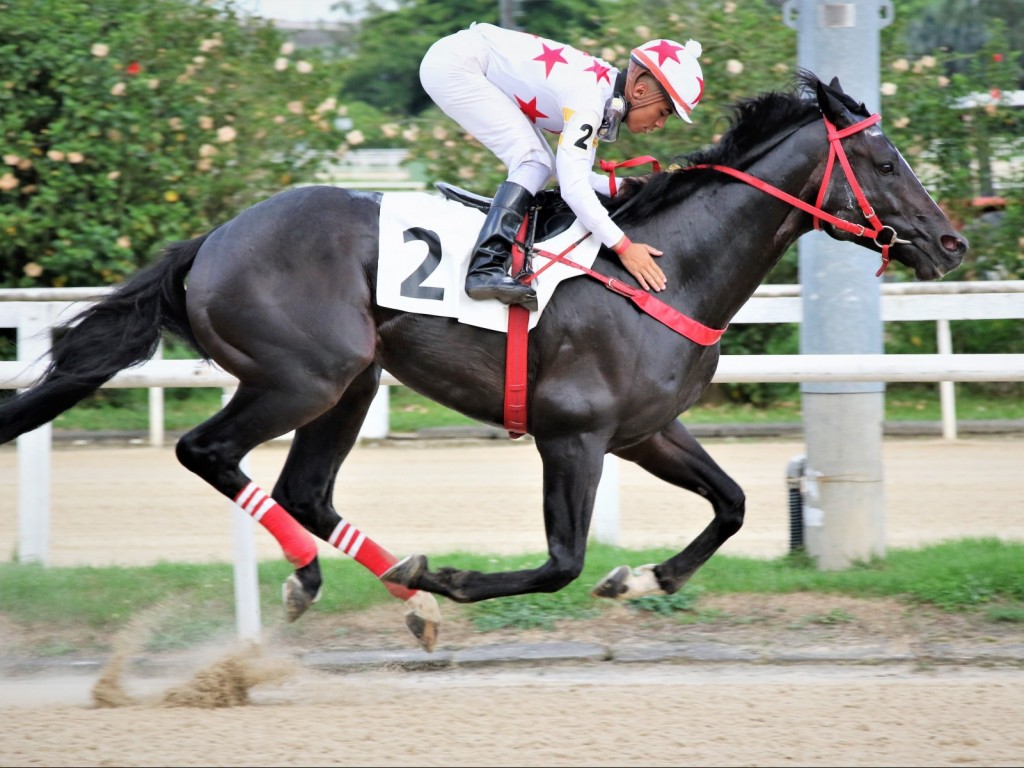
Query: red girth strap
x=515, y=348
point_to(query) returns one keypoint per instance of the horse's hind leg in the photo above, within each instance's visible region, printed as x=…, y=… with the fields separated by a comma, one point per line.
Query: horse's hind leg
x=676, y=457
x=305, y=488
x=214, y=451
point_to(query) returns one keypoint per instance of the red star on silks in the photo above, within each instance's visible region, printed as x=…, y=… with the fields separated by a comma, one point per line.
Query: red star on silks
x=599, y=71
x=665, y=50
x=550, y=57
x=529, y=108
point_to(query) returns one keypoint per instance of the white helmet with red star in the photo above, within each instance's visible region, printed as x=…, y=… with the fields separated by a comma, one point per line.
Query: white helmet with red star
x=676, y=69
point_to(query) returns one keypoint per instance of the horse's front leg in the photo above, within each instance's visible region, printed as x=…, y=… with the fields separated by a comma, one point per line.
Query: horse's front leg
x=571, y=471
x=676, y=457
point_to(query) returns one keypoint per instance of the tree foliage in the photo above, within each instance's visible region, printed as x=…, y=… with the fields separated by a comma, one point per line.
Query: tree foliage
x=391, y=42
x=127, y=123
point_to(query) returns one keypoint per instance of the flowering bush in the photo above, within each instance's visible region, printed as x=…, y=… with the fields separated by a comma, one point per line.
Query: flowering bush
x=128, y=123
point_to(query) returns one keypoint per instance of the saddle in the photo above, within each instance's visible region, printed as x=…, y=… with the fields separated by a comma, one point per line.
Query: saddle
x=549, y=214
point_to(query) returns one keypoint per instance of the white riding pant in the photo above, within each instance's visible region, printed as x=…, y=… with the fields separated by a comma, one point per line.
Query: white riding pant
x=454, y=74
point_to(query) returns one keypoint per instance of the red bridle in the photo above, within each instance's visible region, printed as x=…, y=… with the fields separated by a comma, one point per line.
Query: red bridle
x=835, y=138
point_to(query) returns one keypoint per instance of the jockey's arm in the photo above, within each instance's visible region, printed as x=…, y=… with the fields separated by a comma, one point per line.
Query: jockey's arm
x=574, y=160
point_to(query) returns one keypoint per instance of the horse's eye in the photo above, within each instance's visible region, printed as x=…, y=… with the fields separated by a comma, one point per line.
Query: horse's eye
x=887, y=169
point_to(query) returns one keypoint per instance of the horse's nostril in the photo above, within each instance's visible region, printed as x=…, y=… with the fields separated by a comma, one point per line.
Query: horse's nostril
x=953, y=243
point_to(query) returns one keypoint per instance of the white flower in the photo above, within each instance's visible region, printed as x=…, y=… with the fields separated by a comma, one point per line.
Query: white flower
x=8, y=182
x=729, y=8
x=208, y=150
x=209, y=44
x=226, y=133
x=56, y=155
x=118, y=89
x=114, y=175
x=390, y=130
x=889, y=89
x=928, y=61
x=327, y=105
x=410, y=134
x=643, y=33
x=206, y=122
x=295, y=107
x=355, y=137
x=281, y=64
x=153, y=83
x=287, y=49
x=75, y=157
x=124, y=241
x=901, y=122
x=734, y=66
x=942, y=81
x=99, y=50
x=11, y=159
x=901, y=65
x=304, y=67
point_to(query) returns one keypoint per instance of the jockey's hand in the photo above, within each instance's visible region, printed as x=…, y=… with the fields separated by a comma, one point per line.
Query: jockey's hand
x=638, y=259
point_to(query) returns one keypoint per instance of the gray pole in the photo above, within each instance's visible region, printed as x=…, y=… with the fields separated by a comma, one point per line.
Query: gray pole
x=844, y=512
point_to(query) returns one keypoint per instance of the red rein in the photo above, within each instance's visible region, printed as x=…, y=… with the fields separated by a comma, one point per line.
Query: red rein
x=835, y=138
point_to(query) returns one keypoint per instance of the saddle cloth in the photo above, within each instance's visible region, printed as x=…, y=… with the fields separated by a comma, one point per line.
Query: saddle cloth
x=425, y=244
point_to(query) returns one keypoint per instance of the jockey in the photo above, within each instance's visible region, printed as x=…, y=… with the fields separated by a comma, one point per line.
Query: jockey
x=504, y=87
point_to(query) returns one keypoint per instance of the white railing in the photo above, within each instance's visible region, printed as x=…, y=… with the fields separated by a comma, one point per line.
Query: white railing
x=34, y=311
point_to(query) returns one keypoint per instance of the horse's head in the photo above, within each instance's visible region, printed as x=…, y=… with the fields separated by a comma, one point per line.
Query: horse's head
x=881, y=192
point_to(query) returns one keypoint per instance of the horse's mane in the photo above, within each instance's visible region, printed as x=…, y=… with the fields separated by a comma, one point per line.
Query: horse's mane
x=752, y=122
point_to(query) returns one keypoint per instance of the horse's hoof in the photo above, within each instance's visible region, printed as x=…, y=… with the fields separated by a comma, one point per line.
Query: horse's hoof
x=296, y=599
x=405, y=571
x=612, y=586
x=423, y=618
x=625, y=584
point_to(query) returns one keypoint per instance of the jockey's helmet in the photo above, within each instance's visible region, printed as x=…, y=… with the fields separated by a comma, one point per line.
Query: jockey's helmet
x=676, y=69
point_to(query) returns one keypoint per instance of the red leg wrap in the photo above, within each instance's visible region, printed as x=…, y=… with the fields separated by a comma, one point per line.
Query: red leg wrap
x=296, y=542
x=367, y=553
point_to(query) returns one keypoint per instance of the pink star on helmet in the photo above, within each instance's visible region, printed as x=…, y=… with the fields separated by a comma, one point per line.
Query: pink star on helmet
x=599, y=70
x=665, y=50
x=550, y=57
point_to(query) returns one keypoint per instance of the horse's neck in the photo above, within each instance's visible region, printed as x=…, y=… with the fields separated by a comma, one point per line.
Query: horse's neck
x=744, y=232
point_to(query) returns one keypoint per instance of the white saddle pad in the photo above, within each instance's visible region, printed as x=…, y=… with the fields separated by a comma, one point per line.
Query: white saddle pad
x=425, y=243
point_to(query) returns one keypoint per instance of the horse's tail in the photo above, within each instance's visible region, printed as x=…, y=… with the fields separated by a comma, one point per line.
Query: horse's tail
x=121, y=330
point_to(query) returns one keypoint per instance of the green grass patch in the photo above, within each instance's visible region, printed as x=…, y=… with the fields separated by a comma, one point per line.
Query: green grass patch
x=969, y=575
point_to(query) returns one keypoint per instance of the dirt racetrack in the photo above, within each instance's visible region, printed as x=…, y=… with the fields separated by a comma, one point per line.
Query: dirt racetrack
x=135, y=505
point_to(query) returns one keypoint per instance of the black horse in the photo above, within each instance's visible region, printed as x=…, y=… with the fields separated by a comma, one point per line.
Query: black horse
x=283, y=297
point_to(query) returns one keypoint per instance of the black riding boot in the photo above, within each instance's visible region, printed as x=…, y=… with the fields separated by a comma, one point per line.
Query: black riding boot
x=488, y=266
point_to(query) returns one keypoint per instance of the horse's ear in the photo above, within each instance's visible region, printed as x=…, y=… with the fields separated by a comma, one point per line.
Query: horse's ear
x=830, y=101
x=834, y=101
